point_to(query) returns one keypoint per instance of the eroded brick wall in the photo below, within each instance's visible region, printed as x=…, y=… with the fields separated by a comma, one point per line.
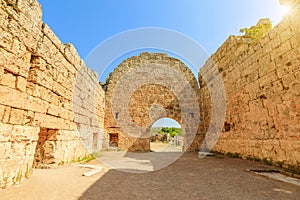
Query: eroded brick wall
x=262, y=84
x=38, y=76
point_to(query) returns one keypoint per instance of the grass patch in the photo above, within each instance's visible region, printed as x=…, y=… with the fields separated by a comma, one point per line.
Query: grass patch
x=86, y=158
x=220, y=156
x=294, y=170
x=251, y=158
x=5, y=183
x=233, y=155
x=267, y=161
x=28, y=171
x=18, y=178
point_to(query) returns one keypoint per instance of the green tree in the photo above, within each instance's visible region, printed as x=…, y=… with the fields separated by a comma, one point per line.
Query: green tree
x=258, y=31
x=172, y=131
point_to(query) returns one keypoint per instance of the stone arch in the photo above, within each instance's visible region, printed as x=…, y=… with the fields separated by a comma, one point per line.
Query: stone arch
x=154, y=106
x=145, y=88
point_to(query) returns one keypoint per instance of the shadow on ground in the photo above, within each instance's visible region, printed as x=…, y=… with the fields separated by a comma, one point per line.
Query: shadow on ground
x=193, y=178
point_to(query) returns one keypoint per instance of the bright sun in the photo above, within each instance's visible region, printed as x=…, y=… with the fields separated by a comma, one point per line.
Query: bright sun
x=284, y=9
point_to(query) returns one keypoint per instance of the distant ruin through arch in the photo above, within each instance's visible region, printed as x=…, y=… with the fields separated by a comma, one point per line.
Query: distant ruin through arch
x=172, y=135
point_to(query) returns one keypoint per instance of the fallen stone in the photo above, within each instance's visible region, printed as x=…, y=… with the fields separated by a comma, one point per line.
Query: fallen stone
x=95, y=169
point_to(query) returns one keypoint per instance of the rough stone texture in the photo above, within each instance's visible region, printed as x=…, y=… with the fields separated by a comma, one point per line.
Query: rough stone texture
x=262, y=84
x=145, y=88
x=38, y=76
x=52, y=109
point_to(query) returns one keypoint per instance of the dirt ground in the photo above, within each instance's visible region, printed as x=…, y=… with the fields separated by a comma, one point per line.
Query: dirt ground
x=187, y=178
x=164, y=147
x=64, y=182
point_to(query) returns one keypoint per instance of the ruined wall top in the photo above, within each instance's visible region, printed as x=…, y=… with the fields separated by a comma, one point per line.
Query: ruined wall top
x=150, y=58
x=288, y=2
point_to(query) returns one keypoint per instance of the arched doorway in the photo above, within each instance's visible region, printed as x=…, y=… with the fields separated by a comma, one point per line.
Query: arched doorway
x=166, y=136
x=145, y=88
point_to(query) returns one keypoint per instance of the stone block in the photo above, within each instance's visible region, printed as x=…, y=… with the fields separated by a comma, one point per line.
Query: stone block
x=59, y=89
x=24, y=133
x=2, y=109
x=288, y=81
x=6, y=114
x=48, y=32
x=48, y=121
x=19, y=49
x=3, y=19
x=285, y=35
x=54, y=98
x=71, y=55
x=29, y=118
x=44, y=93
x=32, y=12
x=287, y=68
x=36, y=104
x=266, y=67
x=268, y=79
x=5, y=40
x=21, y=83
x=12, y=63
x=8, y=79
x=30, y=149
x=4, y=150
x=5, y=132
x=295, y=41
x=41, y=78
x=16, y=116
x=281, y=50
x=59, y=112
x=29, y=39
x=2, y=71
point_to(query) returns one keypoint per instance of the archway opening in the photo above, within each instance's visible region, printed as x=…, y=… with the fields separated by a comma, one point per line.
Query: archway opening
x=166, y=136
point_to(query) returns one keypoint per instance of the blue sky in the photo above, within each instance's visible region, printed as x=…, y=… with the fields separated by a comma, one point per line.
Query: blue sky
x=166, y=122
x=209, y=22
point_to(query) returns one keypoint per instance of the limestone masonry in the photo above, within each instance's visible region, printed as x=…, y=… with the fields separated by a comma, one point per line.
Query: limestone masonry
x=150, y=87
x=39, y=116
x=53, y=110
x=262, y=83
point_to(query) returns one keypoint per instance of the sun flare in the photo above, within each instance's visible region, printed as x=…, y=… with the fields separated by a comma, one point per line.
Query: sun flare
x=284, y=9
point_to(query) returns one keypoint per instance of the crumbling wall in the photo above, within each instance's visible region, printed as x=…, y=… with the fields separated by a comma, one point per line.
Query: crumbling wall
x=38, y=74
x=262, y=83
x=145, y=88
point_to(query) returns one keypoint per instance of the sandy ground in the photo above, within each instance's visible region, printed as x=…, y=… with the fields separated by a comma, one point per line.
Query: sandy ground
x=187, y=178
x=64, y=182
x=164, y=147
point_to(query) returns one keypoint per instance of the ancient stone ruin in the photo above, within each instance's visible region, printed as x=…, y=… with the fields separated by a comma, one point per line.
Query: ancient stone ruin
x=151, y=98
x=53, y=110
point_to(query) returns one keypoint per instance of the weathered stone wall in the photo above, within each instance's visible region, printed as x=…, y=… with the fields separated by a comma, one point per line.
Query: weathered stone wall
x=145, y=88
x=38, y=76
x=262, y=83
x=52, y=107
